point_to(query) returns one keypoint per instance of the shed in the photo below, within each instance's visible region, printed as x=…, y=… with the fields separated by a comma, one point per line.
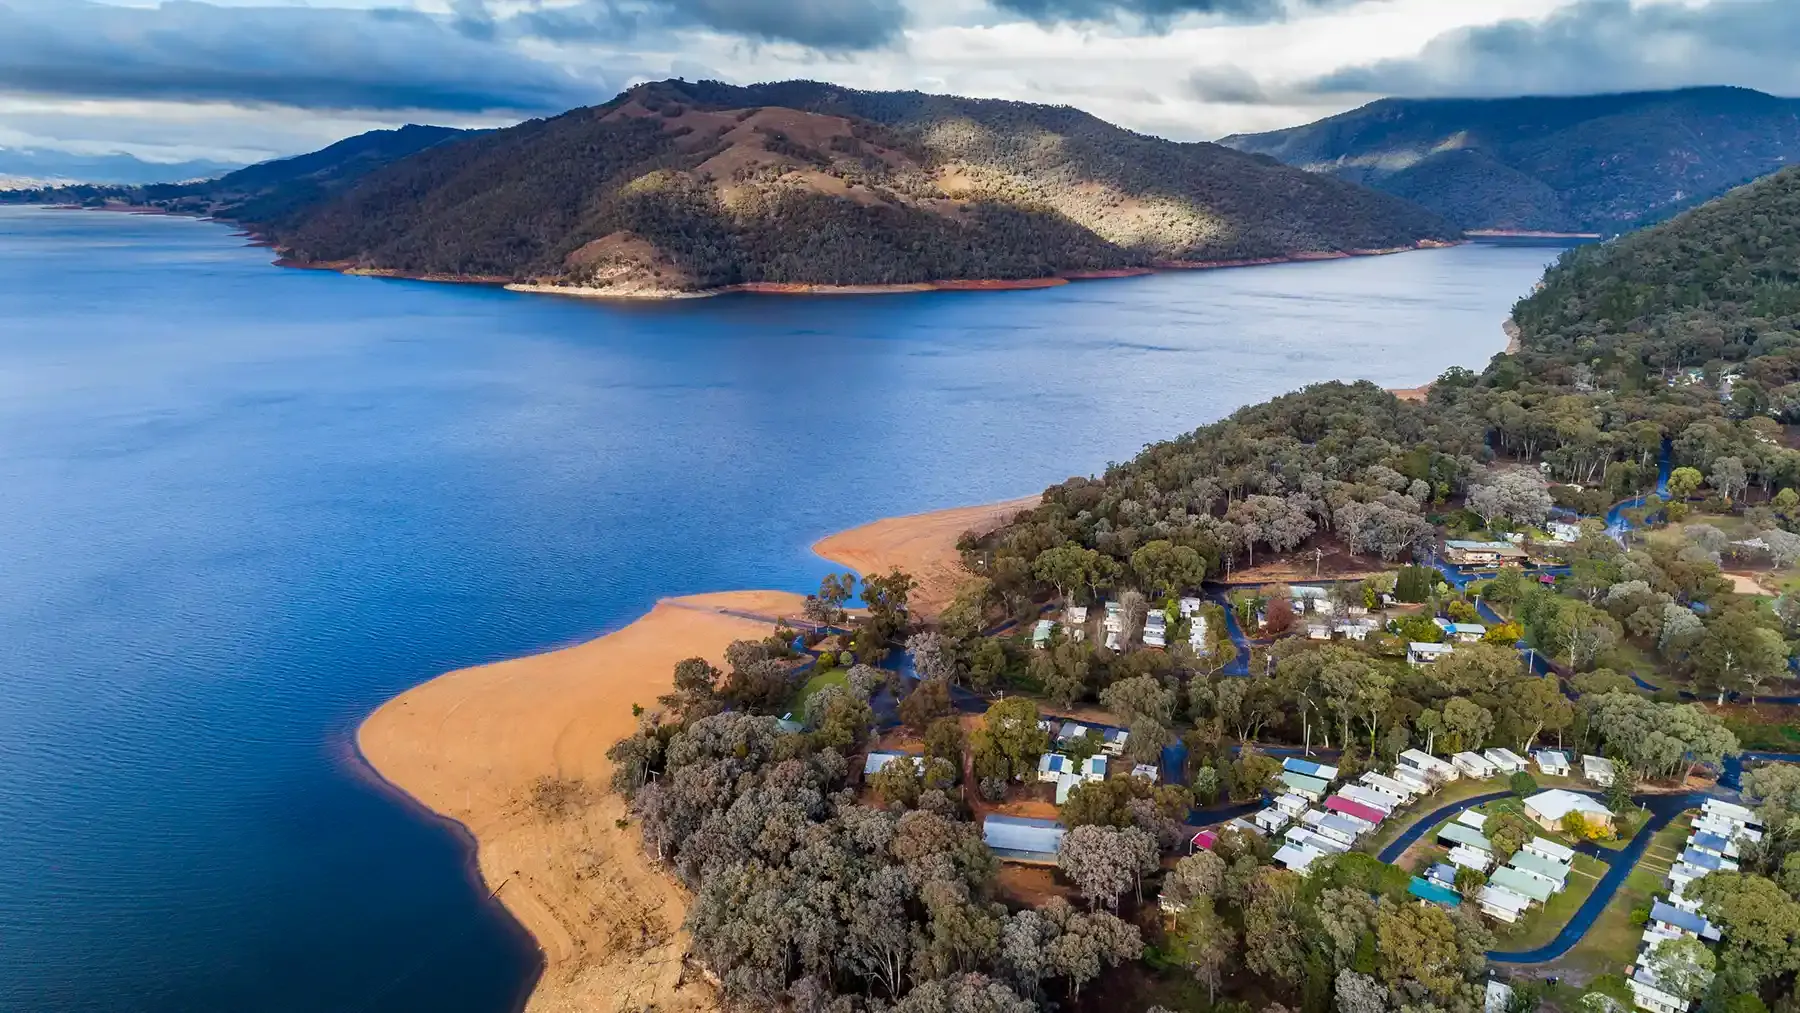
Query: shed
x=1471, y=818
x=1367, y=813
x=1426, y=890
x=1022, y=837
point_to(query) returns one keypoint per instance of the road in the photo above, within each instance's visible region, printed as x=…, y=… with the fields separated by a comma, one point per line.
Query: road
x=1663, y=810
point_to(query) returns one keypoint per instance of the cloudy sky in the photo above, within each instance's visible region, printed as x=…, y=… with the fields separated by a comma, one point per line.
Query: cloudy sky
x=250, y=79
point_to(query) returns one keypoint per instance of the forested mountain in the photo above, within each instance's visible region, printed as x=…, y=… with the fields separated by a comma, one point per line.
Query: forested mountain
x=270, y=190
x=1603, y=163
x=688, y=186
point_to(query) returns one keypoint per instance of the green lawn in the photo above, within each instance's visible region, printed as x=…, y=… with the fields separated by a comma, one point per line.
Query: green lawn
x=821, y=678
x=1613, y=941
x=1542, y=924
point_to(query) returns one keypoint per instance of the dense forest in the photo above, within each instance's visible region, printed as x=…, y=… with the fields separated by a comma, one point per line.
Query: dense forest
x=678, y=185
x=816, y=892
x=1603, y=163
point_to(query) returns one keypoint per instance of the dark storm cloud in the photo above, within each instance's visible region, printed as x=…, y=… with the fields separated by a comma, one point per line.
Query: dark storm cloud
x=1160, y=12
x=1599, y=46
x=289, y=56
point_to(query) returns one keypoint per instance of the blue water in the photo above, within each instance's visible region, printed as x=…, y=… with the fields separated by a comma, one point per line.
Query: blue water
x=242, y=506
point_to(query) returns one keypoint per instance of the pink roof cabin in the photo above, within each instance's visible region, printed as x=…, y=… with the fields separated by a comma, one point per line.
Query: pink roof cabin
x=1340, y=804
x=1204, y=840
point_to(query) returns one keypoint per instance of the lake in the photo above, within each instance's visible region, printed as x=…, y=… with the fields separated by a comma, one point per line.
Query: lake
x=244, y=505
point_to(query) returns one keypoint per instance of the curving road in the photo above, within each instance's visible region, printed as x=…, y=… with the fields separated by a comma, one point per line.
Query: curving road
x=1663, y=810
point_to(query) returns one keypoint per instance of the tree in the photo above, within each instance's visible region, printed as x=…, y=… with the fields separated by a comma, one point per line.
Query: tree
x=934, y=657
x=1197, y=876
x=1521, y=783
x=1273, y=943
x=1068, y=568
x=696, y=686
x=964, y=993
x=1203, y=942
x=1735, y=650
x=1684, y=482
x=1140, y=698
x=1418, y=943
x=1728, y=477
x=1516, y=495
x=1684, y=967
x=886, y=598
x=1359, y=993
x=1103, y=862
x=1760, y=924
x=1166, y=568
x=1534, y=705
x=1469, y=881
x=928, y=701
x=944, y=739
x=1010, y=731
x=827, y=607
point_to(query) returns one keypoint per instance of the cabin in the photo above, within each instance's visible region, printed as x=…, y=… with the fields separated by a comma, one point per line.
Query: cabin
x=1467, y=553
x=1502, y=904
x=1555, y=851
x=1433, y=767
x=1075, y=618
x=1554, y=873
x=1667, y=918
x=1070, y=731
x=1304, y=598
x=1318, y=631
x=1497, y=998
x=1432, y=893
x=1452, y=834
x=1323, y=771
x=1379, y=801
x=1148, y=771
x=1112, y=741
x=1505, y=760
x=1553, y=762
x=1461, y=633
x=1471, y=818
x=1466, y=857
x=1709, y=862
x=1040, y=634
x=1311, y=788
x=1414, y=778
x=1525, y=885
x=1197, y=636
x=1598, y=769
x=1271, y=820
x=1203, y=841
x=1681, y=874
x=1297, y=857
x=1442, y=873
x=1306, y=836
x=1647, y=993
x=1713, y=844
x=1562, y=532
x=1547, y=808
x=1291, y=805
x=1473, y=764
x=1720, y=809
x=1350, y=807
x=1054, y=765
x=1022, y=838
x=1401, y=793
x=1343, y=829
x=1156, y=630
x=1708, y=823
x=1421, y=653
x=1190, y=606
x=1355, y=631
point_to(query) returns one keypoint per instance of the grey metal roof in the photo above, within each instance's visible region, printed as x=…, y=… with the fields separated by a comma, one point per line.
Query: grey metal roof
x=1022, y=834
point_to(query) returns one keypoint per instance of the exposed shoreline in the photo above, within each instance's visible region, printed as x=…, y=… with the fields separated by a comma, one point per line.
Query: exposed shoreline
x=471, y=745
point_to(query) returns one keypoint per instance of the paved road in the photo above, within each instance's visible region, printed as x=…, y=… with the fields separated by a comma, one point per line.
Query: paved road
x=1663, y=810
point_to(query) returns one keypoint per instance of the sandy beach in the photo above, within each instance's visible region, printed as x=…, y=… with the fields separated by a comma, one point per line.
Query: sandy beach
x=480, y=746
x=923, y=545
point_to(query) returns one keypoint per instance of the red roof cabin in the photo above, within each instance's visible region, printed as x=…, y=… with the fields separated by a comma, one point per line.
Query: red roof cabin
x=1203, y=841
x=1340, y=804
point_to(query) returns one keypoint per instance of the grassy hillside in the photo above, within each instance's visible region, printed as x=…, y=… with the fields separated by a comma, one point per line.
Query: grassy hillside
x=678, y=186
x=1602, y=163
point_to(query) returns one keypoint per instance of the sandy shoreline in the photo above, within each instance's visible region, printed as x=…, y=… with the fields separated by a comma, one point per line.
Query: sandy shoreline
x=473, y=745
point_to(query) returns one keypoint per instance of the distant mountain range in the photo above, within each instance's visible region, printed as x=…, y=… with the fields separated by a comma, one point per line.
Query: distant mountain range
x=23, y=165
x=1599, y=163
x=678, y=186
